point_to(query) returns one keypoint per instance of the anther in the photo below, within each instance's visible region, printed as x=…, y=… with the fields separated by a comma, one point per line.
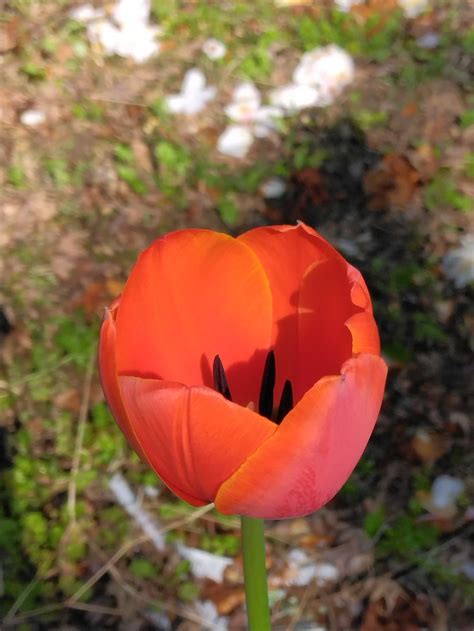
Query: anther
x=265, y=403
x=220, y=380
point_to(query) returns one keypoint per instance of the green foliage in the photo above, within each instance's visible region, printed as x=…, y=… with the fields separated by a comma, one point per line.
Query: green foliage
x=228, y=210
x=16, y=177
x=469, y=165
x=126, y=170
x=407, y=537
x=76, y=339
x=142, y=568
x=221, y=543
x=467, y=41
x=442, y=192
x=58, y=170
x=374, y=38
x=188, y=591
x=427, y=329
x=237, y=23
x=33, y=71
x=467, y=118
x=88, y=110
x=367, y=119
x=374, y=521
x=174, y=161
x=257, y=64
x=61, y=172
x=130, y=175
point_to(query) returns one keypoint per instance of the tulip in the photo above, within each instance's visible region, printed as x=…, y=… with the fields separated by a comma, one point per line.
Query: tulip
x=246, y=371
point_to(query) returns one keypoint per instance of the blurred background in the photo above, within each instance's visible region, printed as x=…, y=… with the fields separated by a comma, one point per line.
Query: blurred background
x=122, y=120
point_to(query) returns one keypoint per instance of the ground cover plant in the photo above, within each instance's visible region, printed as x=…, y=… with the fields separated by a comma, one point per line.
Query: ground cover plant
x=216, y=120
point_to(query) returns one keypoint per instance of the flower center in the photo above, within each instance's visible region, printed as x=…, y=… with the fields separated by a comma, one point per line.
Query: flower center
x=265, y=401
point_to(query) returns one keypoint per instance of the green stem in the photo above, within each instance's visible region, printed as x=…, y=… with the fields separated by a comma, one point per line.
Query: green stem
x=255, y=574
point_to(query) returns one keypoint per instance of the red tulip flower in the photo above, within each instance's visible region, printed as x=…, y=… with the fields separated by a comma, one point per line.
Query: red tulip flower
x=245, y=371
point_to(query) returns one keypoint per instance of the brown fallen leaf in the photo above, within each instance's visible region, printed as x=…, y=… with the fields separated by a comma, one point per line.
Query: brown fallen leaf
x=428, y=446
x=69, y=400
x=225, y=597
x=9, y=34
x=392, y=183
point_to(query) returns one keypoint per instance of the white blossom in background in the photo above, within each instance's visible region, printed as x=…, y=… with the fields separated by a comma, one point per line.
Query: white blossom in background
x=428, y=40
x=128, y=34
x=214, y=48
x=194, y=95
x=246, y=108
x=302, y=570
x=86, y=13
x=414, y=8
x=209, y=615
x=235, y=141
x=318, y=79
x=292, y=97
x=458, y=264
x=129, y=502
x=346, y=5
x=445, y=492
x=32, y=118
x=273, y=188
x=329, y=69
x=251, y=120
x=205, y=564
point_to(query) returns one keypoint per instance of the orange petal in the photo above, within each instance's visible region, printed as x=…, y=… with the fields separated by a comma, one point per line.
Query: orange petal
x=192, y=295
x=108, y=376
x=359, y=293
x=364, y=332
x=324, y=306
x=311, y=286
x=192, y=437
x=313, y=452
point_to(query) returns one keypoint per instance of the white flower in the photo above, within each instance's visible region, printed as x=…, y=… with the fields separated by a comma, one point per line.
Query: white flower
x=445, y=493
x=318, y=79
x=210, y=619
x=205, y=564
x=194, y=94
x=302, y=570
x=131, y=12
x=428, y=40
x=31, y=118
x=293, y=97
x=346, y=5
x=130, y=35
x=235, y=141
x=329, y=69
x=214, y=48
x=413, y=8
x=246, y=109
x=273, y=188
x=458, y=264
x=86, y=13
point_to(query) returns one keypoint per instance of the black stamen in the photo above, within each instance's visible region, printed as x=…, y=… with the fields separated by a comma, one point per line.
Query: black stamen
x=220, y=380
x=286, y=401
x=265, y=402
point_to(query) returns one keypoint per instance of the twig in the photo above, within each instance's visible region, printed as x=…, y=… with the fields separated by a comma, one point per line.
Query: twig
x=131, y=544
x=111, y=611
x=39, y=611
x=105, y=568
x=301, y=608
x=20, y=600
x=76, y=461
